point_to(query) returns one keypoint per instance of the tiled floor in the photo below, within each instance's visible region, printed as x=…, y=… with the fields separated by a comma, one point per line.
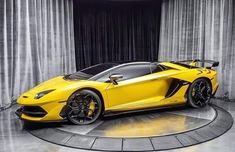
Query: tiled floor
x=14, y=139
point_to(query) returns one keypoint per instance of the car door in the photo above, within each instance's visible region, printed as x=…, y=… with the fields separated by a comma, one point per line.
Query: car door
x=135, y=89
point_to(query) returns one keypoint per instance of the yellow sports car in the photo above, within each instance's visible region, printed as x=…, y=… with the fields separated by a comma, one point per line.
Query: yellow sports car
x=84, y=96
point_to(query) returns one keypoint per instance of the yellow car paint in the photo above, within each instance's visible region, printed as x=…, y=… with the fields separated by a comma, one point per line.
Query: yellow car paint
x=132, y=94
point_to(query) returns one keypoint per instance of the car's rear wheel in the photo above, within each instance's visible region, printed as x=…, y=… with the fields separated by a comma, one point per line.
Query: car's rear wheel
x=199, y=93
x=83, y=107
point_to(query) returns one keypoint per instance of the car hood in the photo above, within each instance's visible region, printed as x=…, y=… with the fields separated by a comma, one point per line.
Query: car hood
x=54, y=83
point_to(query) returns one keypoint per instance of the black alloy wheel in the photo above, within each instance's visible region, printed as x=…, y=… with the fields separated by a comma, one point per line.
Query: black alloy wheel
x=199, y=93
x=83, y=107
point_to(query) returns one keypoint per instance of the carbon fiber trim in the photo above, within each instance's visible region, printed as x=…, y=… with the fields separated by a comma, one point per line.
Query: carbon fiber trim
x=176, y=84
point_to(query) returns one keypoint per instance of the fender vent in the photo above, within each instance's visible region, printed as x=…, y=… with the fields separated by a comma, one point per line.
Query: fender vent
x=176, y=84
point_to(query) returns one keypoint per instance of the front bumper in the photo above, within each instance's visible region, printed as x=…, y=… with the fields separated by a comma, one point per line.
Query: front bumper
x=37, y=116
x=42, y=112
x=32, y=111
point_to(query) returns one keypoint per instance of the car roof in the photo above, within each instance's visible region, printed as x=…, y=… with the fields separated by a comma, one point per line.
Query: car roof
x=127, y=62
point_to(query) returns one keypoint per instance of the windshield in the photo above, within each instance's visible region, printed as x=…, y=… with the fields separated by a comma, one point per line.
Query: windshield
x=90, y=71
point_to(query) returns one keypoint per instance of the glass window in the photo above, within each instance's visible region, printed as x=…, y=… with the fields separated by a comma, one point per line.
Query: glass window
x=96, y=69
x=128, y=72
x=155, y=67
x=89, y=72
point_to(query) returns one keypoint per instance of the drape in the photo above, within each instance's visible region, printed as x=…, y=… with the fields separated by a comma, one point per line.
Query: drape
x=111, y=31
x=36, y=43
x=201, y=29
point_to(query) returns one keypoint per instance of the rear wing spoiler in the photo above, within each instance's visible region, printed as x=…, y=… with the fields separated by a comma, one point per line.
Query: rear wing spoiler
x=195, y=62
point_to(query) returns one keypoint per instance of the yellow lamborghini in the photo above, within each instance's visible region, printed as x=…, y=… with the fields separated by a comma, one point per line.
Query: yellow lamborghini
x=84, y=96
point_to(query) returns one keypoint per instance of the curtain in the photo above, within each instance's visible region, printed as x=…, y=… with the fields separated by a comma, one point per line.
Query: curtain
x=36, y=43
x=116, y=31
x=201, y=29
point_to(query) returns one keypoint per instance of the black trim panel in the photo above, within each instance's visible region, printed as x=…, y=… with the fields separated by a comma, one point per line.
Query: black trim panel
x=63, y=112
x=176, y=84
x=32, y=111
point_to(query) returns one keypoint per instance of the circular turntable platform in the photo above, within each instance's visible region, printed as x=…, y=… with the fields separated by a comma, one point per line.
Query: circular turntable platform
x=145, y=131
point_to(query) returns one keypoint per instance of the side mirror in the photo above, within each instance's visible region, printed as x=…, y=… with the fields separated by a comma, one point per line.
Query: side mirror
x=113, y=78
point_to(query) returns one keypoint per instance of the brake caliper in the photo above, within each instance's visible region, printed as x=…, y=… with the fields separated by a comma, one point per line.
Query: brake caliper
x=91, y=108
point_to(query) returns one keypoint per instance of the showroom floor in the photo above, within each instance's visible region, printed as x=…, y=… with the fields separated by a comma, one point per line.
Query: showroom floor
x=14, y=138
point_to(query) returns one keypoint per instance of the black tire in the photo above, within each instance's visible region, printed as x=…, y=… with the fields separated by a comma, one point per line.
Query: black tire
x=79, y=110
x=199, y=93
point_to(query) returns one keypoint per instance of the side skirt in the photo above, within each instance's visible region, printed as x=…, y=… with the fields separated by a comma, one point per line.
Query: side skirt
x=114, y=113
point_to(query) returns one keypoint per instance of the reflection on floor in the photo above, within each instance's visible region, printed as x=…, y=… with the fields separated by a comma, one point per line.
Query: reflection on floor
x=145, y=128
x=147, y=124
x=14, y=138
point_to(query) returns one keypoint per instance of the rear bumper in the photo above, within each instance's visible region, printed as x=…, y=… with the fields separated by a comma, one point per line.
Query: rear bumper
x=215, y=90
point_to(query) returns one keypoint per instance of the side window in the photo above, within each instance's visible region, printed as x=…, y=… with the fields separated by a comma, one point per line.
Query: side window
x=156, y=68
x=133, y=71
x=96, y=69
x=128, y=72
x=104, y=77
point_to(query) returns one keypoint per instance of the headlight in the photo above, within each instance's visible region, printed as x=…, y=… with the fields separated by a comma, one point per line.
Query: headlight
x=43, y=93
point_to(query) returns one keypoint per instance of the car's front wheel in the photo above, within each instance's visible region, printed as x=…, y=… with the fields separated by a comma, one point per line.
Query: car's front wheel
x=199, y=93
x=83, y=107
